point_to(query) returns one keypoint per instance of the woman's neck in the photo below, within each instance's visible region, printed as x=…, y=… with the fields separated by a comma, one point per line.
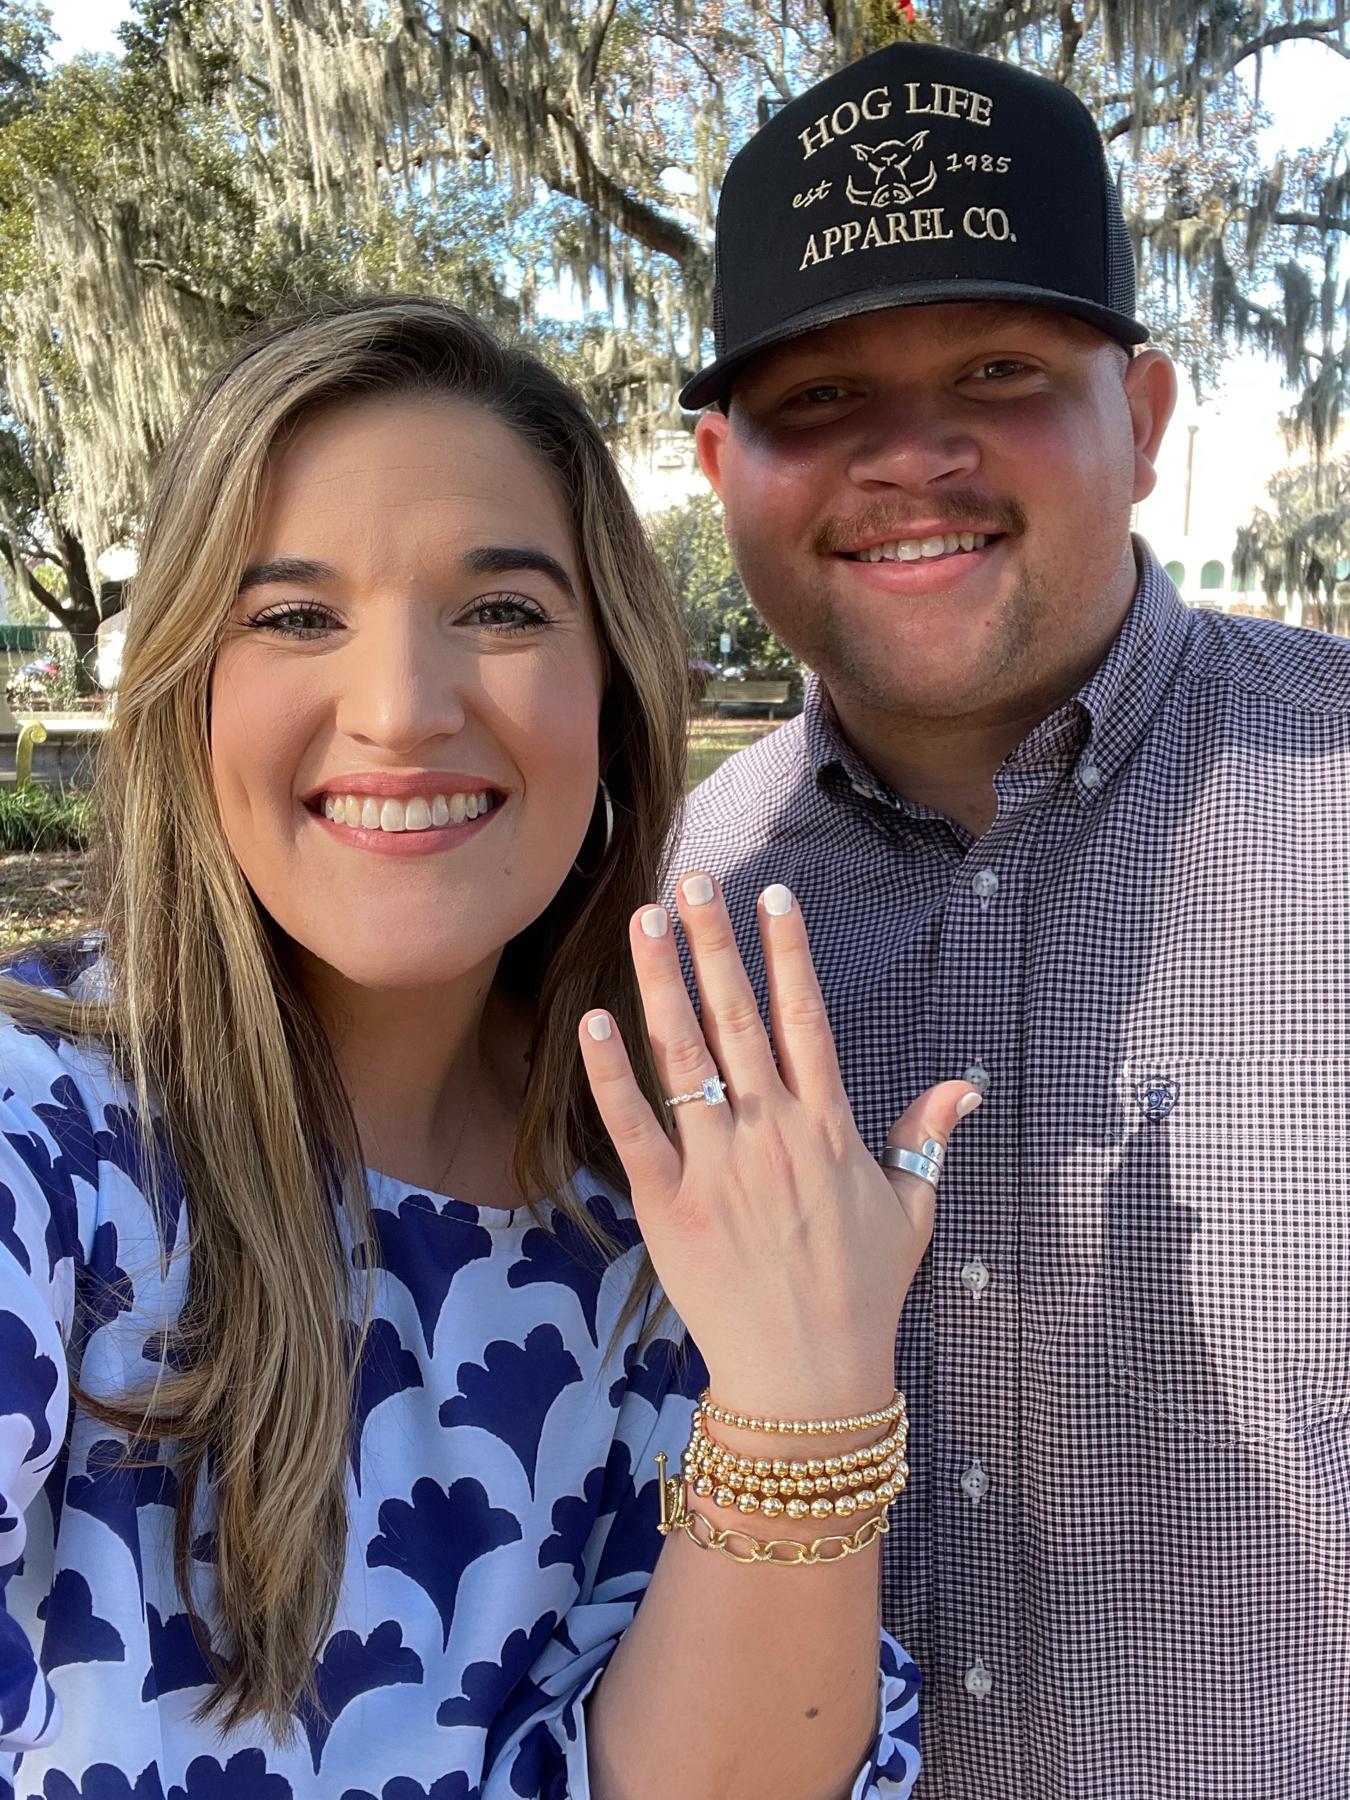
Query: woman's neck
x=435, y=1078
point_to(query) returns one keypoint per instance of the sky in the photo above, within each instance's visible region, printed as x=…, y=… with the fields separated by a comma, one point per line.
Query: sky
x=1236, y=444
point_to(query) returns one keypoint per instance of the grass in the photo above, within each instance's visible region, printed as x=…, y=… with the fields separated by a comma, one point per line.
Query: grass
x=712, y=741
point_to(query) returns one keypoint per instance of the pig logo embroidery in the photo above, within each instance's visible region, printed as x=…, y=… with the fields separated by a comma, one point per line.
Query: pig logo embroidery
x=1156, y=1097
x=888, y=164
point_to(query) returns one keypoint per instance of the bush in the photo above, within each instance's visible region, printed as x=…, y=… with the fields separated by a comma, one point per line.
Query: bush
x=42, y=818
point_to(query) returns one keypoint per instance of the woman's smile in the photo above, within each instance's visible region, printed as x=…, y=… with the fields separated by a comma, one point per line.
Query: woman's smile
x=404, y=815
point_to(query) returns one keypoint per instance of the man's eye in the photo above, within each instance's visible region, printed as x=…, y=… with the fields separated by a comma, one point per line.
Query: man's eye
x=302, y=619
x=821, y=395
x=507, y=613
x=1001, y=368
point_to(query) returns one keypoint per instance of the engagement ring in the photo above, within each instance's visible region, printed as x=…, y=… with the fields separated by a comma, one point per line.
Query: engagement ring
x=712, y=1093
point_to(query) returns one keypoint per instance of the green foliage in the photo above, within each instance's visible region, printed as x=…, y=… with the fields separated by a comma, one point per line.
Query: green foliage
x=43, y=818
x=25, y=43
x=1301, y=542
x=697, y=559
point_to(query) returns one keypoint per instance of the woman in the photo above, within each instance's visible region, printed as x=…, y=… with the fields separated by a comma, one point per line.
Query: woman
x=355, y=1497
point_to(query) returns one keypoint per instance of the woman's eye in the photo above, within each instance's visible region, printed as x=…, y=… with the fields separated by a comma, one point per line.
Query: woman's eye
x=297, y=619
x=505, y=613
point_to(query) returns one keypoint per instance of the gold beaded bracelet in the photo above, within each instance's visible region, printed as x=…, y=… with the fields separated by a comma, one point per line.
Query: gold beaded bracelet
x=715, y=1455
x=677, y=1515
x=836, y=1490
x=803, y=1427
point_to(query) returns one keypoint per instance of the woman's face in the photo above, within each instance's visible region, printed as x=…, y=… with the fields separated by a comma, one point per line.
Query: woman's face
x=405, y=707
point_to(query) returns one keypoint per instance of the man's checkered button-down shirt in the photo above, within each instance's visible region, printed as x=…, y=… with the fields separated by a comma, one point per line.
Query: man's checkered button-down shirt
x=1123, y=1562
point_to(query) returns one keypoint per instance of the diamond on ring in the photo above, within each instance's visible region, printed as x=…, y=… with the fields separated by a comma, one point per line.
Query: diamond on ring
x=712, y=1093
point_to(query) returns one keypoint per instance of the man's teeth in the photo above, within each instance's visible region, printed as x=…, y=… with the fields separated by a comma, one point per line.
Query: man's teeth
x=914, y=549
x=415, y=814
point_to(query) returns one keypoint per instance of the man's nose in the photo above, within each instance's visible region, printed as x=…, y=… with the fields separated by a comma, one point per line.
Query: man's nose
x=914, y=443
x=401, y=688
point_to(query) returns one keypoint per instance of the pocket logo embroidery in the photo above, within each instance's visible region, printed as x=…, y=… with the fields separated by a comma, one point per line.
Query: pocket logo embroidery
x=1156, y=1097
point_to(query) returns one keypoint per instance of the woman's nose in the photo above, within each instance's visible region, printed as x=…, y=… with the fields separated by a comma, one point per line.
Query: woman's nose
x=401, y=689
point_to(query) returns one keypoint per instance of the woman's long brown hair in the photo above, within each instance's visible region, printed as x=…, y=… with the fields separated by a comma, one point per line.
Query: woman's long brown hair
x=204, y=1019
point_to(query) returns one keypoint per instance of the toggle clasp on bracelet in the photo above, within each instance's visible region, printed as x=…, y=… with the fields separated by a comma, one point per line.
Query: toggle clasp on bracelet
x=671, y=1492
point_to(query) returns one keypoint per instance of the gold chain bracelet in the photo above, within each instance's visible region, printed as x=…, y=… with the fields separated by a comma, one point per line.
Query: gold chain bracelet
x=676, y=1515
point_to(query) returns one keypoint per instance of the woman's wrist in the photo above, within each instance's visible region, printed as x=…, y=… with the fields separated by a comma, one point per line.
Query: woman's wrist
x=824, y=1396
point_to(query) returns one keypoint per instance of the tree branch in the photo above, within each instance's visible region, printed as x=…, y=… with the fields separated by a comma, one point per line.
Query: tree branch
x=590, y=60
x=1070, y=35
x=1315, y=220
x=1143, y=117
x=612, y=200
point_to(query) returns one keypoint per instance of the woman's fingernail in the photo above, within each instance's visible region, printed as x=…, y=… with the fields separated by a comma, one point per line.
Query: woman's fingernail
x=656, y=921
x=777, y=900
x=698, y=890
x=967, y=1103
x=598, y=1026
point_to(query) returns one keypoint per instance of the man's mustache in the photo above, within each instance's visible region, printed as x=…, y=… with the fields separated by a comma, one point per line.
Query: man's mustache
x=958, y=511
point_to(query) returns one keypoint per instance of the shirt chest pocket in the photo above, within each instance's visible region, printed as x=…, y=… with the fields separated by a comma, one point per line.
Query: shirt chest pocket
x=1226, y=1244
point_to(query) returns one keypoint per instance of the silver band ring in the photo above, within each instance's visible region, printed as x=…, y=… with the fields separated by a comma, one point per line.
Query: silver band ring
x=926, y=1163
x=712, y=1093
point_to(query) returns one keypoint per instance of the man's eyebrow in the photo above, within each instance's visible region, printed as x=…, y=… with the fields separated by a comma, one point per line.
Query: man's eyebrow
x=504, y=559
x=298, y=569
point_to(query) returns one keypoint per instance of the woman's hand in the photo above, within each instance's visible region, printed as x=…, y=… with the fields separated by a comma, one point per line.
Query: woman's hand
x=782, y=1244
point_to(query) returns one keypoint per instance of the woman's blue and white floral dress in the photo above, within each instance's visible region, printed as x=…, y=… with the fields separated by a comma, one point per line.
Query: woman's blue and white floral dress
x=502, y=1493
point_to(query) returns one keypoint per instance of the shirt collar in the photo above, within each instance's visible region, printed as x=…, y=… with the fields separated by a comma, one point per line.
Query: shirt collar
x=1095, y=732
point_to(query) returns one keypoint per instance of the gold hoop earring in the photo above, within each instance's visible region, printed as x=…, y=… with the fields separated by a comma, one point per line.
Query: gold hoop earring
x=590, y=874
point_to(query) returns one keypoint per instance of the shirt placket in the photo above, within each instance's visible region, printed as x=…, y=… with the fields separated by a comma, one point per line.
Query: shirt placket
x=975, y=1009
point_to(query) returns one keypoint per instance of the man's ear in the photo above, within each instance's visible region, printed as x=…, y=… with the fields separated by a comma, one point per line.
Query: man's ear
x=1151, y=393
x=710, y=436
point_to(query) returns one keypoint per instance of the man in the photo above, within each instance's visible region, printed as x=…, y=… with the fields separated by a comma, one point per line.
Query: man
x=1055, y=833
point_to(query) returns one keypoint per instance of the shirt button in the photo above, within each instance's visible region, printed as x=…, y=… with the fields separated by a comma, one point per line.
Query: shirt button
x=1089, y=774
x=985, y=884
x=975, y=1482
x=975, y=1277
x=978, y=1077
x=978, y=1680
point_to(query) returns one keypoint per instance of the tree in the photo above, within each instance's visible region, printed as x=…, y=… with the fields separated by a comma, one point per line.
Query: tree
x=1301, y=544
x=697, y=558
x=247, y=153
x=140, y=232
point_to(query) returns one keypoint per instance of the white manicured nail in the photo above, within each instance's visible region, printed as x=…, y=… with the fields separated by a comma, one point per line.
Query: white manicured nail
x=698, y=890
x=598, y=1026
x=655, y=921
x=967, y=1104
x=777, y=900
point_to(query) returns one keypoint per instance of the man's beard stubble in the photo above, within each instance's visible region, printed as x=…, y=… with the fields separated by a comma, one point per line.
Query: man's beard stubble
x=817, y=630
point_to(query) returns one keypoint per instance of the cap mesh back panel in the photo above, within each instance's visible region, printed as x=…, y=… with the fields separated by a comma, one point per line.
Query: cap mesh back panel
x=1119, y=252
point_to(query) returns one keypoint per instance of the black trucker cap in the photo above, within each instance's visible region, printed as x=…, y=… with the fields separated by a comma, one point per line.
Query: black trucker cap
x=915, y=176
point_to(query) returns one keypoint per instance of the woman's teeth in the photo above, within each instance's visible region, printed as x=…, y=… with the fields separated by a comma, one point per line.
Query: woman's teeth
x=912, y=549
x=415, y=814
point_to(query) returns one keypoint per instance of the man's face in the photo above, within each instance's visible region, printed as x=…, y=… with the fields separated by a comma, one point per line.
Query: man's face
x=931, y=504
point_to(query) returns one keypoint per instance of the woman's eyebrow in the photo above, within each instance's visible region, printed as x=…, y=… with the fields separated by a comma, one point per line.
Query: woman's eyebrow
x=286, y=568
x=503, y=559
